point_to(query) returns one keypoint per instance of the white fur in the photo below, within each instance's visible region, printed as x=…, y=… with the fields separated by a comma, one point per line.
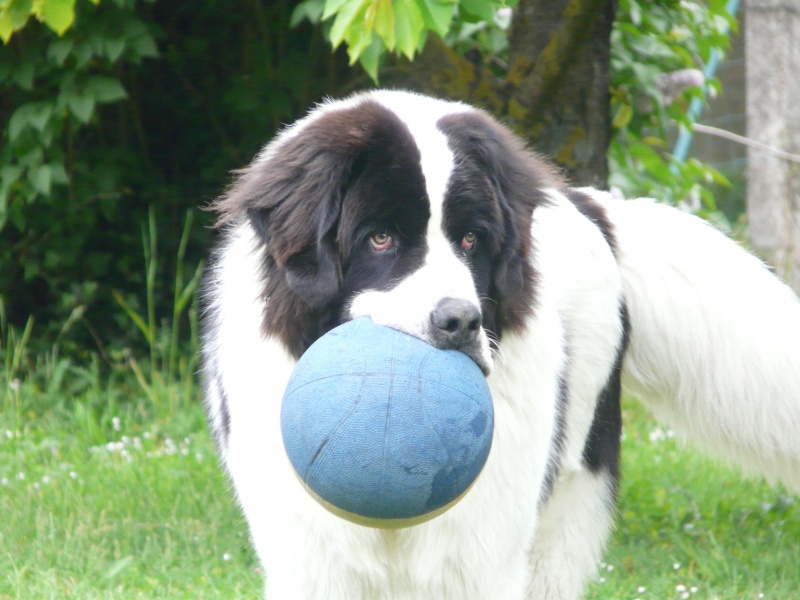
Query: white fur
x=715, y=343
x=714, y=347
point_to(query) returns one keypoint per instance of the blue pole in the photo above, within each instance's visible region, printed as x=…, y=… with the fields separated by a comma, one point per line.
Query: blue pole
x=685, y=134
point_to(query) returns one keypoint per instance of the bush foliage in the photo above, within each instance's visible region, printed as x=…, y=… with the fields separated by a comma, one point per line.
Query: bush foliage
x=136, y=105
x=117, y=114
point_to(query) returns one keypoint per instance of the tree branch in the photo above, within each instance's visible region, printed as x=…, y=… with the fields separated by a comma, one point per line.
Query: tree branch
x=745, y=141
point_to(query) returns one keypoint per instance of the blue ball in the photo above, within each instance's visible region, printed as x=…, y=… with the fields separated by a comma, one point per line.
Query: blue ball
x=383, y=429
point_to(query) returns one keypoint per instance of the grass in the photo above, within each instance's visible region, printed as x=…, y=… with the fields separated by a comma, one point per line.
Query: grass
x=102, y=496
x=689, y=527
x=110, y=488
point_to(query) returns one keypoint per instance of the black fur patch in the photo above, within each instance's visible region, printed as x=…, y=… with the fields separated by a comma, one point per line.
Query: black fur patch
x=495, y=187
x=557, y=447
x=315, y=200
x=602, y=449
x=595, y=212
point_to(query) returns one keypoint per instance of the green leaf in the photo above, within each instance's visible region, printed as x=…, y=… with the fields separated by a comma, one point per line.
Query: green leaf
x=58, y=173
x=344, y=20
x=35, y=114
x=19, y=120
x=113, y=48
x=409, y=25
x=6, y=26
x=483, y=9
x=82, y=54
x=58, y=15
x=438, y=15
x=370, y=57
x=9, y=175
x=308, y=9
x=145, y=46
x=332, y=7
x=358, y=38
x=623, y=116
x=635, y=13
x=82, y=106
x=41, y=179
x=23, y=75
x=105, y=89
x=140, y=40
x=59, y=50
x=384, y=22
x=40, y=115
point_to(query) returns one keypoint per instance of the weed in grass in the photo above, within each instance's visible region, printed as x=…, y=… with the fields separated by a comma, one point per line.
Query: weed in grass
x=168, y=364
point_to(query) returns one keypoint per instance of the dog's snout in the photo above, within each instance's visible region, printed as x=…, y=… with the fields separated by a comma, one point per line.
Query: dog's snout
x=456, y=322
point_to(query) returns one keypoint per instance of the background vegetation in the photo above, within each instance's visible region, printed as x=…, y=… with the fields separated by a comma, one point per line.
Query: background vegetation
x=119, y=119
x=142, y=109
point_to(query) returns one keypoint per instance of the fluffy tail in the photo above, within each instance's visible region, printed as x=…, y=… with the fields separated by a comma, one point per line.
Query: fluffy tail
x=715, y=339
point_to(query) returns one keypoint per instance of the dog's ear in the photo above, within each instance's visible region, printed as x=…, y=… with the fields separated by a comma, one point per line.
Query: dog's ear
x=292, y=195
x=518, y=179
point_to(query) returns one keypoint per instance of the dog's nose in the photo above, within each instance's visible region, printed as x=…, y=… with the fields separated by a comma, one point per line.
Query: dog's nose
x=456, y=323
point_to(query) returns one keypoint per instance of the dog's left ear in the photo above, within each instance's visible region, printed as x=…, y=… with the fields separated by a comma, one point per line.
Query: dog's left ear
x=518, y=178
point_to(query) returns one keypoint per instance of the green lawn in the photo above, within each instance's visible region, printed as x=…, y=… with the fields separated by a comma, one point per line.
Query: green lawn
x=104, y=495
x=113, y=491
x=691, y=528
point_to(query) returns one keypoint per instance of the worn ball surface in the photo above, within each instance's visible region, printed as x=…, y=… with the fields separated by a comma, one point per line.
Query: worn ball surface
x=383, y=429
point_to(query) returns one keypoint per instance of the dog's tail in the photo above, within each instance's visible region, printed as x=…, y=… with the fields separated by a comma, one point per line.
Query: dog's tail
x=715, y=338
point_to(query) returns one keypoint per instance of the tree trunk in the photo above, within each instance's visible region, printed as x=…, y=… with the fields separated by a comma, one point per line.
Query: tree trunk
x=772, y=31
x=556, y=91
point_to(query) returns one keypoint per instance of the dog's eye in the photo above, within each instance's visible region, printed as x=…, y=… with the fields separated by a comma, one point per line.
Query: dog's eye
x=469, y=240
x=381, y=242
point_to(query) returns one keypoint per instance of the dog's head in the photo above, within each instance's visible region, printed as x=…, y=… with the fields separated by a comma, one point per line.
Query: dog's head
x=413, y=211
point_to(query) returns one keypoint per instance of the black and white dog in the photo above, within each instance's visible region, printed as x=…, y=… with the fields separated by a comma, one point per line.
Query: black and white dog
x=399, y=206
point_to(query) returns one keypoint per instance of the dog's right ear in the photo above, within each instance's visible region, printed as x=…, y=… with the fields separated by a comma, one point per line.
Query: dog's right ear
x=292, y=196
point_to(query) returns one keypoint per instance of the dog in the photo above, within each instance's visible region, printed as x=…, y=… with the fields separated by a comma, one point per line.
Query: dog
x=430, y=217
